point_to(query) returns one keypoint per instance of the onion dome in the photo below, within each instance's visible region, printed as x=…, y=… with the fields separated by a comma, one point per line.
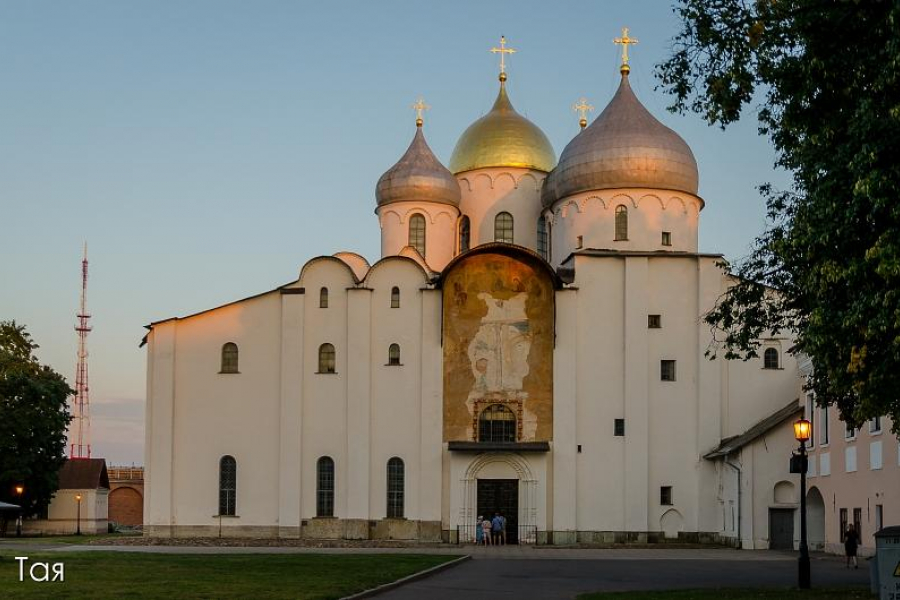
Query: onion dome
x=502, y=138
x=624, y=147
x=418, y=176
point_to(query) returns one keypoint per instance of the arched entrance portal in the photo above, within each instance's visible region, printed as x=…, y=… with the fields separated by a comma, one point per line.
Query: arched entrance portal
x=815, y=519
x=500, y=482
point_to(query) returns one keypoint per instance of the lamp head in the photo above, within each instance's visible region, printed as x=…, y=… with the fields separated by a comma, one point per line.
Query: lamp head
x=802, y=430
x=20, y=489
x=78, y=497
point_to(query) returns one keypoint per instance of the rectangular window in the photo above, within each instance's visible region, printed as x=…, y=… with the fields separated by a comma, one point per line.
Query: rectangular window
x=579, y=242
x=823, y=426
x=875, y=458
x=665, y=495
x=850, y=459
x=666, y=238
x=843, y=520
x=875, y=425
x=667, y=370
x=810, y=414
x=654, y=321
x=619, y=427
x=879, y=517
x=857, y=523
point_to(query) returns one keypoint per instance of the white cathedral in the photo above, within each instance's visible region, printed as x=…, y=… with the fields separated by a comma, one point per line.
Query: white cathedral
x=530, y=342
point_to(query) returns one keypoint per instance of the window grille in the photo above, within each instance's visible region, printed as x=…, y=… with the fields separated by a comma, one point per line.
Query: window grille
x=542, y=238
x=770, y=358
x=464, y=234
x=227, y=485
x=325, y=487
x=666, y=238
x=394, y=354
x=497, y=424
x=323, y=298
x=326, y=358
x=667, y=370
x=229, y=358
x=621, y=223
x=417, y=233
x=503, y=228
x=654, y=321
x=395, y=488
x=395, y=297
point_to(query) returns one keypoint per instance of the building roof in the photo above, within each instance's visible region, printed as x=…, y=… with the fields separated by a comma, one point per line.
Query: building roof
x=83, y=474
x=418, y=177
x=736, y=442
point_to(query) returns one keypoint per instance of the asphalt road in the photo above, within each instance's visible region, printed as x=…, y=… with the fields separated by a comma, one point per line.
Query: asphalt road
x=550, y=579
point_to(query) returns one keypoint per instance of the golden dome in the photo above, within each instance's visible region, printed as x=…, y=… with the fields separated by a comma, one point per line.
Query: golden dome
x=502, y=138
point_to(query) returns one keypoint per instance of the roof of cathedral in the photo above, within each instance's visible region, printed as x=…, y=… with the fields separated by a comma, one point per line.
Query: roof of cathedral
x=418, y=176
x=502, y=138
x=624, y=147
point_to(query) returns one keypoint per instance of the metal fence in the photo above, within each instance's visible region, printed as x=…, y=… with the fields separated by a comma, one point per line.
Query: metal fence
x=515, y=534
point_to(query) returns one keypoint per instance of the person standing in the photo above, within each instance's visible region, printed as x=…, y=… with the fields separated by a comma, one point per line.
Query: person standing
x=486, y=532
x=495, y=528
x=851, y=543
x=479, y=533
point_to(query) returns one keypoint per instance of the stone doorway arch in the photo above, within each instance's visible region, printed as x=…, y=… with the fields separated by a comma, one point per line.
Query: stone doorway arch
x=499, y=465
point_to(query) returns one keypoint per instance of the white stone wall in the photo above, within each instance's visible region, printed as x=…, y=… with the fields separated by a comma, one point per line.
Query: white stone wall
x=440, y=230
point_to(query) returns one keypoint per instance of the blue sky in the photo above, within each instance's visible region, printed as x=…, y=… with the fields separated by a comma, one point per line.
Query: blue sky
x=207, y=149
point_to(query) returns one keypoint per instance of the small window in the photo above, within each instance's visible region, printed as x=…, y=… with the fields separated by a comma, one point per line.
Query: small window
x=326, y=358
x=323, y=298
x=394, y=355
x=579, y=242
x=542, y=237
x=810, y=414
x=325, y=487
x=621, y=223
x=666, y=238
x=824, y=426
x=417, y=233
x=665, y=495
x=395, y=297
x=227, y=486
x=503, y=228
x=229, y=358
x=654, y=321
x=857, y=522
x=667, y=370
x=770, y=358
x=875, y=425
x=619, y=427
x=396, y=480
x=843, y=522
x=497, y=424
x=464, y=234
x=879, y=517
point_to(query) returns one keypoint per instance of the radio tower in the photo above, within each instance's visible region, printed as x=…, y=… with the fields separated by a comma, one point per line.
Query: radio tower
x=81, y=415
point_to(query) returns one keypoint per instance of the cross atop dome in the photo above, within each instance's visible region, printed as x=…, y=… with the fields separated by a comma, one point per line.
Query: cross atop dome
x=624, y=41
x=503, y=51
x=582, y=108
x=420, y=107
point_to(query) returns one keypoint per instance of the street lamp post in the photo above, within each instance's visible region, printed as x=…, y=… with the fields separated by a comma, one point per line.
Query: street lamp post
x=802, y=432
x=20, y=489
x=78, y=527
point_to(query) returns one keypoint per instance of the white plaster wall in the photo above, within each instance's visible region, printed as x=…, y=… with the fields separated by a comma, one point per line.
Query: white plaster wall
x=591, y=215
x=440, y=230
x=488, y=192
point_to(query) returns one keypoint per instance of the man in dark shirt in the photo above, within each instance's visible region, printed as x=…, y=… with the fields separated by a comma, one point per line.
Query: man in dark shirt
x=496, y=527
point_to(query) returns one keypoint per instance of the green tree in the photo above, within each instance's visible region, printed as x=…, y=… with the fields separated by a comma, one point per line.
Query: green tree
x=33, y=421
x=823, y=78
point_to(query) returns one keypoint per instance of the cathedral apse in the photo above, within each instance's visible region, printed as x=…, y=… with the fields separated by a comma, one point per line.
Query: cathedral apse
x=498, y=344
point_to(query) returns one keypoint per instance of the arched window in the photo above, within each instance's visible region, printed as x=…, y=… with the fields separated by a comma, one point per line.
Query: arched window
x=326, y=358
x=417, y=233
x=229, y=358
x=325, y=487
x=227, y=485
x=770, y=358
x=394, y=354
x=396, y=482
x=542, y=238
x=497, y=424
x=621, y=222
x=395, y=297
x=464, y=234
x=503, y=228
x=323, y=298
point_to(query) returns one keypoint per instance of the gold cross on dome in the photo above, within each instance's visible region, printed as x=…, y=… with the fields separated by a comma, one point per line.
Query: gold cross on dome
x=625, y=41
x=420, y=107
x=583, y=108
x=503, y=51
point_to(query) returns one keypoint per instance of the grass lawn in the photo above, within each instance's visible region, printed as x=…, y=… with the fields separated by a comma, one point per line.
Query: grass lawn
x=257, y=576
x=738, y=594
x=65, y=539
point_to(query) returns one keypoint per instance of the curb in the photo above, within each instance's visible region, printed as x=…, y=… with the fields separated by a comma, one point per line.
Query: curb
x=408, y=579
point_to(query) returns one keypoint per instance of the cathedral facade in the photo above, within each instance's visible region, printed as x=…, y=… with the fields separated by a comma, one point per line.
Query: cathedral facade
x=530, y=343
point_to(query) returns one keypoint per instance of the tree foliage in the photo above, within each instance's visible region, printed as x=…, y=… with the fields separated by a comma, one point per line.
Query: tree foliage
x=33, y=421
x=823, y=77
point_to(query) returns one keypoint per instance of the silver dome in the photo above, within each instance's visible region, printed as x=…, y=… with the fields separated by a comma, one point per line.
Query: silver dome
x=418, y=176
x=624, y=147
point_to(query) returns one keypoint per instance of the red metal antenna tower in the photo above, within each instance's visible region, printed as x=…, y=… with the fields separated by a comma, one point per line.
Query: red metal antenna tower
x=80, y=435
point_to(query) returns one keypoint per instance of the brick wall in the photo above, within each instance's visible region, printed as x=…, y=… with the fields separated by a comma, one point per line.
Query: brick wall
x=126, y=506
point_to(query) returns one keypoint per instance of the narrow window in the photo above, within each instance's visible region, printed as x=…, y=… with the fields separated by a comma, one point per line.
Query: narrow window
x=326, y=358
x=395, y=297
x=503, y=228
x=325, y=487
x=229, y=358
x=227, y=485
x=542, y=237
x=810, y=414
x=667, y=370
x=879, y=517
x=464, y=234
x=323, y=298
x=770, y=358
x=619, y=427
x=579, y=242
x=843, y=521
x=621, y=223
x=396, y=480
x=875, y=425
x=857, y=522
x=394, y=355
x=824, y=426
x=497, y=424
x=666, y=238
x=654, y=321
x=417, y=233
x=665, y=495
x=549, y=242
